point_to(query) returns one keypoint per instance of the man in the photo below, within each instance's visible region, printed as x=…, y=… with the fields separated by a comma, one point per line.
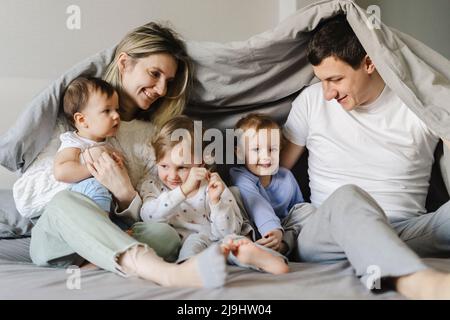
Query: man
x=359, y=132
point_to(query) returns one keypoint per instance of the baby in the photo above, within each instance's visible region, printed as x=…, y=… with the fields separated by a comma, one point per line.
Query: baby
x=269, y=192
x=198, y=204
x=91, y=107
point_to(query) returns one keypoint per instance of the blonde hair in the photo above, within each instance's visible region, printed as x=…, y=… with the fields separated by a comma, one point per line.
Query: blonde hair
x=163, y=142
x=153, y=38
x=258, y=121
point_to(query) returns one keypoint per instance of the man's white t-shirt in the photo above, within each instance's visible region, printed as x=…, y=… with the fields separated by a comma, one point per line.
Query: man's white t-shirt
x=383, y=147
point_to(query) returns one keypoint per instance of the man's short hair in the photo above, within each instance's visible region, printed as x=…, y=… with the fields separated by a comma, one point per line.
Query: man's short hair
x=335, y=38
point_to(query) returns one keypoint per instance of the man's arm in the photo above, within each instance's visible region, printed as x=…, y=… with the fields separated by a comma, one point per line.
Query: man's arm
x=290, y=155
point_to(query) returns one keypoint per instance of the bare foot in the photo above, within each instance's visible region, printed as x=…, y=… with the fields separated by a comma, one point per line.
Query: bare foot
x=88, y=266
x=249, y=253
x=204, y=270
x=427, y=284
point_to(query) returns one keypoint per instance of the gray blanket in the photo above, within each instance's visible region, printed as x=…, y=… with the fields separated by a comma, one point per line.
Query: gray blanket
x=305, y=281
x=267, y=70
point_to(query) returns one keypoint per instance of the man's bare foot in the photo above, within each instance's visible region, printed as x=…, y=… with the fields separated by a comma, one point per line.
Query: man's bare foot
x=88, y=266
x=249, y=253
x=426, y=284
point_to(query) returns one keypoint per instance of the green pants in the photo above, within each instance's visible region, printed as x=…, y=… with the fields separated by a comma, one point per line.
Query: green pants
x=73, y=229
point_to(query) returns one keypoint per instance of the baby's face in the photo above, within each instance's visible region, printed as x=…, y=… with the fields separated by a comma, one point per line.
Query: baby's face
x=101, y=115
x=174, y=167
x=262, y=151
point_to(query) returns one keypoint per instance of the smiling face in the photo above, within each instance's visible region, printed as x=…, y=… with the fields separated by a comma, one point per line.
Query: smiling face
x=262, y=151
x=350, y=87
x=174, y=166
x=99, y=119
x=145, y=80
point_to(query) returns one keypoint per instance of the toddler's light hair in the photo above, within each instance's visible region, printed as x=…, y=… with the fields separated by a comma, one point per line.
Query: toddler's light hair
x=258, y=121
x=163, y=142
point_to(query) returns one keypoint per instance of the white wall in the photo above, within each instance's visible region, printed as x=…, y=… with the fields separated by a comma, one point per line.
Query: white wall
x=427, y=21
x=41, y=46
x=37, y=46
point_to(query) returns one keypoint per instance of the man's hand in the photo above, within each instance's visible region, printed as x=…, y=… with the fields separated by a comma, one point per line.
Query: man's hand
x=272, y=239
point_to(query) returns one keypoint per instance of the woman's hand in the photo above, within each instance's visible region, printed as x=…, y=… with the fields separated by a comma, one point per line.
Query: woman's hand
x=90, y=155
x=108, y=171
x=215, y=188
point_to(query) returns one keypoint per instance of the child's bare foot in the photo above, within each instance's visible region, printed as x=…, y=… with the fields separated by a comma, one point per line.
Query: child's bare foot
x=425, y=284
x=249, y=253
x=203, y=270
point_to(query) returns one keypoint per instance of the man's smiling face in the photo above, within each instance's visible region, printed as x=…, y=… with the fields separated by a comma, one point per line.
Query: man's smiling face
x=350, y=87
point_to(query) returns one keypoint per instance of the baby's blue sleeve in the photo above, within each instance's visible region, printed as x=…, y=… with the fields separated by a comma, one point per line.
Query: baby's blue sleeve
x=258, y=208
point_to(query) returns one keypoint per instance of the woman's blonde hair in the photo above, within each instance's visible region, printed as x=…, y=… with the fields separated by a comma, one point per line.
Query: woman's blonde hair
x=153, y=38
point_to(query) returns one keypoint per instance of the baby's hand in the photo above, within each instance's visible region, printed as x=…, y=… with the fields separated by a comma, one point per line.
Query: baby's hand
x=215, y=187
x=272, y=239
x=196, y=175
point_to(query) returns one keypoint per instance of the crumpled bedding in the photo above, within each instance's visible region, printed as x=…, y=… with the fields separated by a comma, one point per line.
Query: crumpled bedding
x=305, y=281
x=267, y=70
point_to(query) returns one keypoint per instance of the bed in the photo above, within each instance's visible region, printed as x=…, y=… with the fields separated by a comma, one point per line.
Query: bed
x=20, y=279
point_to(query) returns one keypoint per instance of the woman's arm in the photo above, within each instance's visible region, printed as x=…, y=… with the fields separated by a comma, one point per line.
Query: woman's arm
x=67, y=167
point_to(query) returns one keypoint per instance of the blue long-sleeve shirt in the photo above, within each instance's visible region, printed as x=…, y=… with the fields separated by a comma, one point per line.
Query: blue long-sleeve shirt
x=267, y=206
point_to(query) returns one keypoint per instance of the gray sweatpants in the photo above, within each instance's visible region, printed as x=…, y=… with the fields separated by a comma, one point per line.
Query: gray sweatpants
x=351, y=225
x=429, y=234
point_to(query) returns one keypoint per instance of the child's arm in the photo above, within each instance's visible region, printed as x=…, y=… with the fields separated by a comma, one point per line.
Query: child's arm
x=67, y=167
x=259, y=209
x=226, y=217
x=159, y=205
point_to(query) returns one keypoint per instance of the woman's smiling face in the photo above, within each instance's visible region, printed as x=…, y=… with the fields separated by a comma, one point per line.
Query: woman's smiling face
x=145, y=80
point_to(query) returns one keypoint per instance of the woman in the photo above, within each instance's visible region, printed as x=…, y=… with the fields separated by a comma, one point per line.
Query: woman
x=152, y=73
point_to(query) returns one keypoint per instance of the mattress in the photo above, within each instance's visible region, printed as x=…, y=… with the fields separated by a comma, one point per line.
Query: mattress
x=20, y=279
